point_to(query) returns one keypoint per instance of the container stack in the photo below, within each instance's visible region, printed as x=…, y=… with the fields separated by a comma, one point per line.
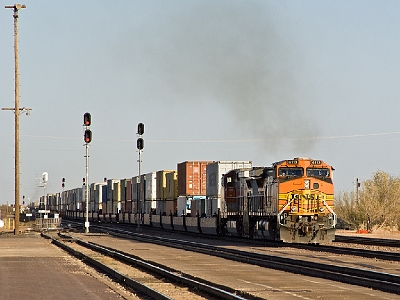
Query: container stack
x=171, y=192
x=161, y=191
x=192, y=184
x=151, y=194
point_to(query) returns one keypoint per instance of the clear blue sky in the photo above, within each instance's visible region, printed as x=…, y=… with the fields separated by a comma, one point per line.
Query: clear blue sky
x=211, y=80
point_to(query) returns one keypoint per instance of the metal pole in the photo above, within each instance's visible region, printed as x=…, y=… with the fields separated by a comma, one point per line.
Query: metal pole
x=140, y=178
x=357, y=189
x=138, y=191
x=87, y=190
x=45, y=198
x=16, y=7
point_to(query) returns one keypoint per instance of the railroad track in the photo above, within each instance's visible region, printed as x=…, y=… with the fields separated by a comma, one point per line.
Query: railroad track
x=189, y=287
x=367, y=241
x=360, y=277
x=382, y=255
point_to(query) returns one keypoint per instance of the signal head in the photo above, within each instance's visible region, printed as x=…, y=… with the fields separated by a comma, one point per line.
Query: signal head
x=140, y=143
x=87, y=119
x=140, y=129
x=88, y=136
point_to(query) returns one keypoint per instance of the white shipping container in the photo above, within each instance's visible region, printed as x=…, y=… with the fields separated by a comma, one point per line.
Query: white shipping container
x=215, y=171
x=183, y=205
x=79, y=198
x=98, y=193
x=151, y=187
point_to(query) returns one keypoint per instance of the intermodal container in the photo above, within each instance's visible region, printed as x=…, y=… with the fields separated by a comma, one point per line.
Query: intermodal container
x=171, y=189
x=161, y=184
x=135, y=187
x=110, y=188
x=128, y=206
x=138, y=187
x=171, y=206
x=128, y=189
x=151, y=185
x=192, y=178
x=216, y=170
x=116, y=206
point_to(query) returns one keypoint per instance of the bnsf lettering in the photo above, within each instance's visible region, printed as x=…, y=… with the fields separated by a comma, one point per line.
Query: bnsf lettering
x=306, y=197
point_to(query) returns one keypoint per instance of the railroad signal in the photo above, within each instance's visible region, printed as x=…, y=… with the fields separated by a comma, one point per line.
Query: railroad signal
x=140, y=129
x=83, y=181
x=88, y=136
x=87, y=119
x=140, y=143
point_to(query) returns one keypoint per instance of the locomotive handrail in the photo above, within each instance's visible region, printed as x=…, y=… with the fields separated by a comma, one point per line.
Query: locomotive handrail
x=282, y=210
x=332, y=212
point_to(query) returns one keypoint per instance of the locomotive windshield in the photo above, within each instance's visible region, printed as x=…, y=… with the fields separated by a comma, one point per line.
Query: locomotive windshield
x=287, y=173
x=318, y=172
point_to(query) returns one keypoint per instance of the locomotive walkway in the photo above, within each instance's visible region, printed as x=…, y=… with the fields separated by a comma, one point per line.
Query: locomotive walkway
x=32, y=268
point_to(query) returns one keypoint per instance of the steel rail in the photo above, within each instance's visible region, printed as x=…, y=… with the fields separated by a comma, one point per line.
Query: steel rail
x=390, y=256
x=122, y=279
x=220, y=292
x=360, y=277
x=367, y=241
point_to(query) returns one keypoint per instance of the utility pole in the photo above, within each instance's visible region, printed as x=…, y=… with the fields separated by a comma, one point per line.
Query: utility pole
x=16, y=109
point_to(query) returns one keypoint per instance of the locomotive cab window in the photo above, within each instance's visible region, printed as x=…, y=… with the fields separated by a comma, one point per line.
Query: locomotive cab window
x=286, y=173
x=319, y=173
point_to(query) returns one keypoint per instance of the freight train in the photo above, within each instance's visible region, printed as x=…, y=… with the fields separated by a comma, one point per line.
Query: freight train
x=290, y=201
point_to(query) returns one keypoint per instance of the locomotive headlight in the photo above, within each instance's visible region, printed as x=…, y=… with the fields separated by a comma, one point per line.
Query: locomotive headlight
x=321, y=209
x=293, y=209
x=306, y=184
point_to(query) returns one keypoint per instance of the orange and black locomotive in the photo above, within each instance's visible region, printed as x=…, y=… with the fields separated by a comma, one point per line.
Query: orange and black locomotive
x=290, y=201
